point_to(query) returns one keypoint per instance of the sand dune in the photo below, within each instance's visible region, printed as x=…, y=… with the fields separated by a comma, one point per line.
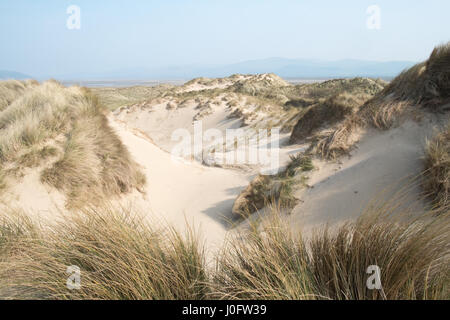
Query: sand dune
x=337, y=191
x=180, y=191
x=383, y=163
x=186, y=190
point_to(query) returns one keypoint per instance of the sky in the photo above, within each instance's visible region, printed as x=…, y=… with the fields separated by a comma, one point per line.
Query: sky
x=119, y=34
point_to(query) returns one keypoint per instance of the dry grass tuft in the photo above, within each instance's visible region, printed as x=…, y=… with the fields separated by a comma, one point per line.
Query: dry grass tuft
x=12, y=89
x=333, y=110
x=424, y=87
x=36, y=156
x=94, y=164
x=268, y=262
x=119, y=255
x=14, y=226
x=437, y=165
x=413, y=257
x=272, y=262
x=278, y=189
x=337, y=143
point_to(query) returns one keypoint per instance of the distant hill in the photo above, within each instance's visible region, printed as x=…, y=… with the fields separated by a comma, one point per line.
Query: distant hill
x=6, y=74
x=286, y=68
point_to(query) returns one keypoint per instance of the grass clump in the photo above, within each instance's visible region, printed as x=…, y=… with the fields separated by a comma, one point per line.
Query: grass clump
x=36, y=156
x=326, y=114
x=272, y=262
x=268, y=262
x=413, y=257
x=119, y=256
x=437, y=165
x=280, y=188
x=94, y=163
x=37, y=115
x=422, y=88
x=14, y=225
x=115, y=98
x=12, y=89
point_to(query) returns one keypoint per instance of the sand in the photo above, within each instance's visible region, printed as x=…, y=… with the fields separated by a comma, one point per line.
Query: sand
x=40, y=201
x=383, y=163
x=181, y=192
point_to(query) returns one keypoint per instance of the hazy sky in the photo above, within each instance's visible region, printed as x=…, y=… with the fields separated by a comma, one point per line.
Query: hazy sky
x=119, y=34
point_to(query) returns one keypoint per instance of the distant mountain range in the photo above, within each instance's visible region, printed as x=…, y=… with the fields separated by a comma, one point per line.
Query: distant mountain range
x=285, y=68
x=6, y=74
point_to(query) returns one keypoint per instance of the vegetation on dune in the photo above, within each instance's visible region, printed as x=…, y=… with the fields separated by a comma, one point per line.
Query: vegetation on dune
x=36, y=156
x=326, y=114
x=121, y=257
x=40, y=113
x=423, y=88
x=278, y=189
x=47, y=121
x=115, y=98
x=426, y=84
x=12, y=89
x=261, y=100
x=328, y=104
x=437, y=165
x=95, y=164
x=326, y=89
x=273, y=262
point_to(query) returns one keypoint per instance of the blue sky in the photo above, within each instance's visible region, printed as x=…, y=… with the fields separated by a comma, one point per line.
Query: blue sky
x=119, y=34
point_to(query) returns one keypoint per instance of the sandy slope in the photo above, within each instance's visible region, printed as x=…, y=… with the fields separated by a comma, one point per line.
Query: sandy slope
x=339, y=191
x=179, y=191
x=383, y=162
x=38, y=200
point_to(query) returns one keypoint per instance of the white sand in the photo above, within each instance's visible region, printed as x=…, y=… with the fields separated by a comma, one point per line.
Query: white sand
x=38, y=200
x=383, y=161
x=339, y=191
x=180, y=192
